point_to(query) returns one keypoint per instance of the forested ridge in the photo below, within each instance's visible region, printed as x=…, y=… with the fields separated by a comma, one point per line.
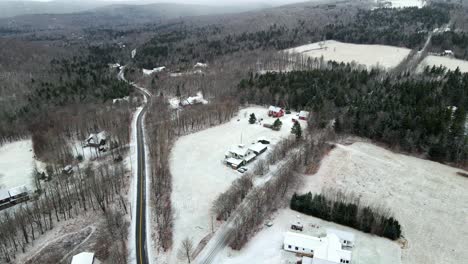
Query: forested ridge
x=183, y=43
x=397, y=27
x=419, y=113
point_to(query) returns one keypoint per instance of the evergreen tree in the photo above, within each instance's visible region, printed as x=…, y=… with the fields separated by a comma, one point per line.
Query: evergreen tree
x=277, y=124
x=252, y=119
x=297, y=130
x=178, y=94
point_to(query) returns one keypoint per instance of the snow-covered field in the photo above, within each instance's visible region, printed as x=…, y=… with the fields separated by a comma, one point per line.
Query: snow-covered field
x=368, y=55
x=428, y=198
x=450, y=63
x=16, y=164
x=199, y=175
x=266, y=246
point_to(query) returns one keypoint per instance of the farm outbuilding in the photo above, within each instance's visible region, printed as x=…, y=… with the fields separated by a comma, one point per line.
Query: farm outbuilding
x=275, y=111
x=84, y=258
x=258, y=148
x=303, y=115
x=329, y=249
x=234, y=163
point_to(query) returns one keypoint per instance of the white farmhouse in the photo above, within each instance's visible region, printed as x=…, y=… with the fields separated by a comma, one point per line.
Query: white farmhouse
x=241, y=152
x=333, y=248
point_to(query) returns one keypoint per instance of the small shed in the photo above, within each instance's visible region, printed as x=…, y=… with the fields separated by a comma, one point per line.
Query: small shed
x=303, y=115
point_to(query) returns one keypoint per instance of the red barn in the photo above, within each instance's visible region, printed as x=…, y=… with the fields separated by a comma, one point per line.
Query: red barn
x=275, y=111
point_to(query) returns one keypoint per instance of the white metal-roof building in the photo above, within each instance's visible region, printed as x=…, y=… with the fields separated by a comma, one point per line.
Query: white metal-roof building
x=83, y=258
x=323, y=250
x=258, y=148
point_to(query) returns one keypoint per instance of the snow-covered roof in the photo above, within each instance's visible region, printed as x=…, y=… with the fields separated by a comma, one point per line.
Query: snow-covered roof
x=343, y=235
x=4, y=194
x=274, y=108
x=239, y=150
x=250, y=157
x=257, y=147
x=307, y=260
x=18, y=190
x=118, y=100
x=199, y=64
x=198, y=99
x=327, y=248
x=157, y=69
x=304, y=114
x=83, y=258
x=96, y=138
x=234, y=161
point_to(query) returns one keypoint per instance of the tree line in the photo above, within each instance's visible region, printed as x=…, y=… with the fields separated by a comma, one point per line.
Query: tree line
x=344, y=210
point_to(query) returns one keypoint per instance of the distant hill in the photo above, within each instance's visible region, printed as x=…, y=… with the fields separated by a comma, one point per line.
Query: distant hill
x=107, y=16
x=19, y=8
x=16, y=8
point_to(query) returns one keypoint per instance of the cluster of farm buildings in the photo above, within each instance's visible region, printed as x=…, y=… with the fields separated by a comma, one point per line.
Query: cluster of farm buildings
x=241, y=154
x=335, y=247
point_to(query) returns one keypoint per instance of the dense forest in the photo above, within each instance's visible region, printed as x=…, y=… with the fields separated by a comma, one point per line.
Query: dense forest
x=397, y=27
x=424, y=113
x=81, y=79
x=180, y=42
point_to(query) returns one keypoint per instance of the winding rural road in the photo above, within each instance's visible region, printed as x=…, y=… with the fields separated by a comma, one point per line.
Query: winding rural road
x=140, y=217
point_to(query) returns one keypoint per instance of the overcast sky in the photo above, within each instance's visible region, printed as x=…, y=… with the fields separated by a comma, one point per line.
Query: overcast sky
x=209, y=2
x=217, y=2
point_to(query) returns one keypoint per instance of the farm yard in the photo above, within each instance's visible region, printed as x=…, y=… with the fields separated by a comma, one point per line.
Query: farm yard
x=266, y=246
x=199, y=174
x=428, y=198
x=368, y=55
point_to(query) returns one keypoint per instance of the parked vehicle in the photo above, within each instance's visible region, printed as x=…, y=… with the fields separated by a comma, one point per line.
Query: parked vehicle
x=242, y=170
x=297, y=226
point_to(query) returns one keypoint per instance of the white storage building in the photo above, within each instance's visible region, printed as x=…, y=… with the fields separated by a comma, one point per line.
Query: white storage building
x=323, y=250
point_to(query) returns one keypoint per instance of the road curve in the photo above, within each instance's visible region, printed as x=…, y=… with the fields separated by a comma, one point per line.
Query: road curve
x=140, y=219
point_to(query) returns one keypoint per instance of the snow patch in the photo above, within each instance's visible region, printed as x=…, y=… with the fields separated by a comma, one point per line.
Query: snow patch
x=154, y=70
x=16, y=165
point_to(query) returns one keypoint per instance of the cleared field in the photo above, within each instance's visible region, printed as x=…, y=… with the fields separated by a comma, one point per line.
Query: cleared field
x=428, y=198
x=199, y=175
x=16, y=164
x=450, y=63
x=368, y=55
